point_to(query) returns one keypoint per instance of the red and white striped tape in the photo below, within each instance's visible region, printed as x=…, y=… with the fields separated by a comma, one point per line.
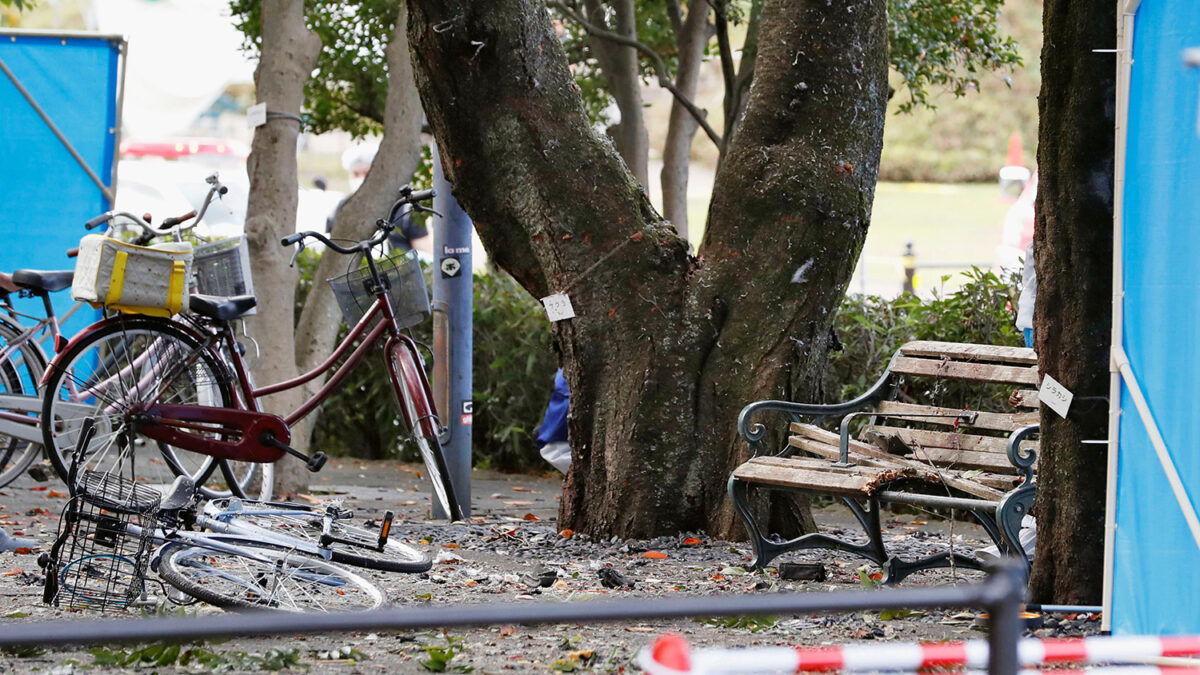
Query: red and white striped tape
x=671, y=655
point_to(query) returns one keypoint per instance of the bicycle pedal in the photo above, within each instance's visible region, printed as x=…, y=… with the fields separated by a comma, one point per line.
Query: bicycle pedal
x=385, y=528
x=317, y=461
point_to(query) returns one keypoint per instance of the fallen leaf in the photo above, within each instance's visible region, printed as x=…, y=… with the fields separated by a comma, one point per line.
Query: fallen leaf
x=691, y=541
x=655, y=555
x=519, y=503
x=14, y=572
x=39, y=488
x=38, y=512
x=518, y=488
x=451, y=545
x=22, y=550
x=308, y=498
x=640, y=629
x=637, y=236
x=567, y=534
x=717, y=577
x=55, y=494
x=409, y=503
x=530, y=516
x=505, y=631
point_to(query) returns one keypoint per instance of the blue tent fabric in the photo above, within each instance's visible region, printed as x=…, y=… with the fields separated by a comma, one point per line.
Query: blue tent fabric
x=1155, y=585
x=47, y=196
x=554, y=424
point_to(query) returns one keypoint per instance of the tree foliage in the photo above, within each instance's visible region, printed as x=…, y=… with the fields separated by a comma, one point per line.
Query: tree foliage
x=945, y=44
x=348, y=88
x=935, y=45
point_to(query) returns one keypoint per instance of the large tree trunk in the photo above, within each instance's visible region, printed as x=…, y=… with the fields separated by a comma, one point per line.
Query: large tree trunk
x=289, y=52
x=398, y=156
x=682, y=127
x=619, y=64
x=665, y=348
x=1073, y=257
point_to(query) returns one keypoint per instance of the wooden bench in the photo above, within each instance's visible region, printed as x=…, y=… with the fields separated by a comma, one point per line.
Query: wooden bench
x=906, y=452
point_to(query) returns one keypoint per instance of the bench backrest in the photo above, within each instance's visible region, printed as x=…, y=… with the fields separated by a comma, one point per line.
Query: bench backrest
x=948, y=436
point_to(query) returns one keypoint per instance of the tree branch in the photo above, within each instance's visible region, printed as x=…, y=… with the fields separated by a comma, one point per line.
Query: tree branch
x=727, y=72
x=660, y=68
x=746, y=70
x=676, y=17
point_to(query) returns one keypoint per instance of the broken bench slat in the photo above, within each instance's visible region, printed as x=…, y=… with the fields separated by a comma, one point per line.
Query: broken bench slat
x=945, y=440
x=951, y=478
x=991, y=421
x=958, y=370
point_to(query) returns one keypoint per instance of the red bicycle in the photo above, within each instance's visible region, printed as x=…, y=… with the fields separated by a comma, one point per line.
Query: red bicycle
x=183, y=381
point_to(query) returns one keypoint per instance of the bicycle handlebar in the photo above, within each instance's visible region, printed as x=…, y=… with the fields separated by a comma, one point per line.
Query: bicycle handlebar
x=407, y=196
x=168, y=223
x=217, y=190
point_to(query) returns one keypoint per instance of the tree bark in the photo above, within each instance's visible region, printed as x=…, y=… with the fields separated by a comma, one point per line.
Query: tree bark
x=288, y=54
x=1073, y=313
x=619, y=64
x=681, y=129
x=398, y=156
x=666, y=348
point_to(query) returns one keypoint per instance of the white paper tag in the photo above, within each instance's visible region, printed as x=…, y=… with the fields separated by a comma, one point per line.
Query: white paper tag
x=1055, y=396
x=558, y=307
x=256, y=115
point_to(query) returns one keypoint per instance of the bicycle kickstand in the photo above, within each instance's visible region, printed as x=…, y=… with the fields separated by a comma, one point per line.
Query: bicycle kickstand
x=314, y=462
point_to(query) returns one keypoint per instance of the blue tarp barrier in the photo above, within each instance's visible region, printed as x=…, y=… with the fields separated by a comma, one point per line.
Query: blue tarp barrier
x=47, y=195
x=1156, y=588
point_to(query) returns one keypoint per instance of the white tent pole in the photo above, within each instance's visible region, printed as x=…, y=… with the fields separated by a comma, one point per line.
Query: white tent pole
x=1160, y=446
x=1125, y=26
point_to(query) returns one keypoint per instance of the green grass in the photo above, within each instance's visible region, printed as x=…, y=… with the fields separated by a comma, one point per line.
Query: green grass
x=947, y=223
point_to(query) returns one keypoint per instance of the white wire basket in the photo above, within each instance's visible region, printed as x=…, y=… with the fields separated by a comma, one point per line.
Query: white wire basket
x=222, y=268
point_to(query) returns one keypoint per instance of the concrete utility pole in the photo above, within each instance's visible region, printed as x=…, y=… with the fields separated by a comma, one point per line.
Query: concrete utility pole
x=453, y=344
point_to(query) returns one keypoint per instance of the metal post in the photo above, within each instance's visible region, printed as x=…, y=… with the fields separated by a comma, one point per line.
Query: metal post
x=453, y=303
x=1003, y=596
x=910, y=267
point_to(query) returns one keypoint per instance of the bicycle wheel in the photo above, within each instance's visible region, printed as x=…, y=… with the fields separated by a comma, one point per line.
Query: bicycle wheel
x=20, y=374
x=254, y=575
x=356, y=546
x=133, y=362
x=422, y=422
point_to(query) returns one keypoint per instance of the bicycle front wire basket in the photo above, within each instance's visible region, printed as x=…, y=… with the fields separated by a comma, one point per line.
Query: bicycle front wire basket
x=96, y=563
x=405, y=283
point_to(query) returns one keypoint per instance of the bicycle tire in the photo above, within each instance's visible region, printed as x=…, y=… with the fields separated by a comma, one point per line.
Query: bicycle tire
x=410, y=389
x=16, y=378
x=239, y=581
x=109, y=364
x=304, y=523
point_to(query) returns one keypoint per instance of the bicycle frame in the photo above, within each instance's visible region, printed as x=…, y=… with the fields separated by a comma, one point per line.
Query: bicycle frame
x=247, y=422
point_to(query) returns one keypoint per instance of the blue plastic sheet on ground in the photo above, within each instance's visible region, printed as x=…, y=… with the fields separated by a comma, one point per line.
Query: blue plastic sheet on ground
x=47, y=196
x=1156, y=588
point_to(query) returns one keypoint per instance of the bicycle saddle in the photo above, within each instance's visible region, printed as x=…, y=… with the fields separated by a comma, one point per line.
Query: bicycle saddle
x=179, y=494
x=40, y=280
x=221, y=309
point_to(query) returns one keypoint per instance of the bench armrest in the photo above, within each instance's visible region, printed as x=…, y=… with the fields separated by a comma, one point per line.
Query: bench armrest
x=753, y=432
x=1023, y=458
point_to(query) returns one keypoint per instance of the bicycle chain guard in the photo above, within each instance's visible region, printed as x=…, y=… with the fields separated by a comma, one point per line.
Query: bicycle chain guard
x=228, y=433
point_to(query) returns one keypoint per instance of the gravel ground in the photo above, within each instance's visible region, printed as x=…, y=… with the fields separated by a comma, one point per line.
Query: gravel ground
x=512, y=552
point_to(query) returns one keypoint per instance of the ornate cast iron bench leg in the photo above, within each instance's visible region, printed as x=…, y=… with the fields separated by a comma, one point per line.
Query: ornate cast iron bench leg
x=767, y=548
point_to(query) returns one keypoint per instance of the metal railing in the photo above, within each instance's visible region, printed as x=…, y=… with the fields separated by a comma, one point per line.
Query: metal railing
x=1001, y=594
